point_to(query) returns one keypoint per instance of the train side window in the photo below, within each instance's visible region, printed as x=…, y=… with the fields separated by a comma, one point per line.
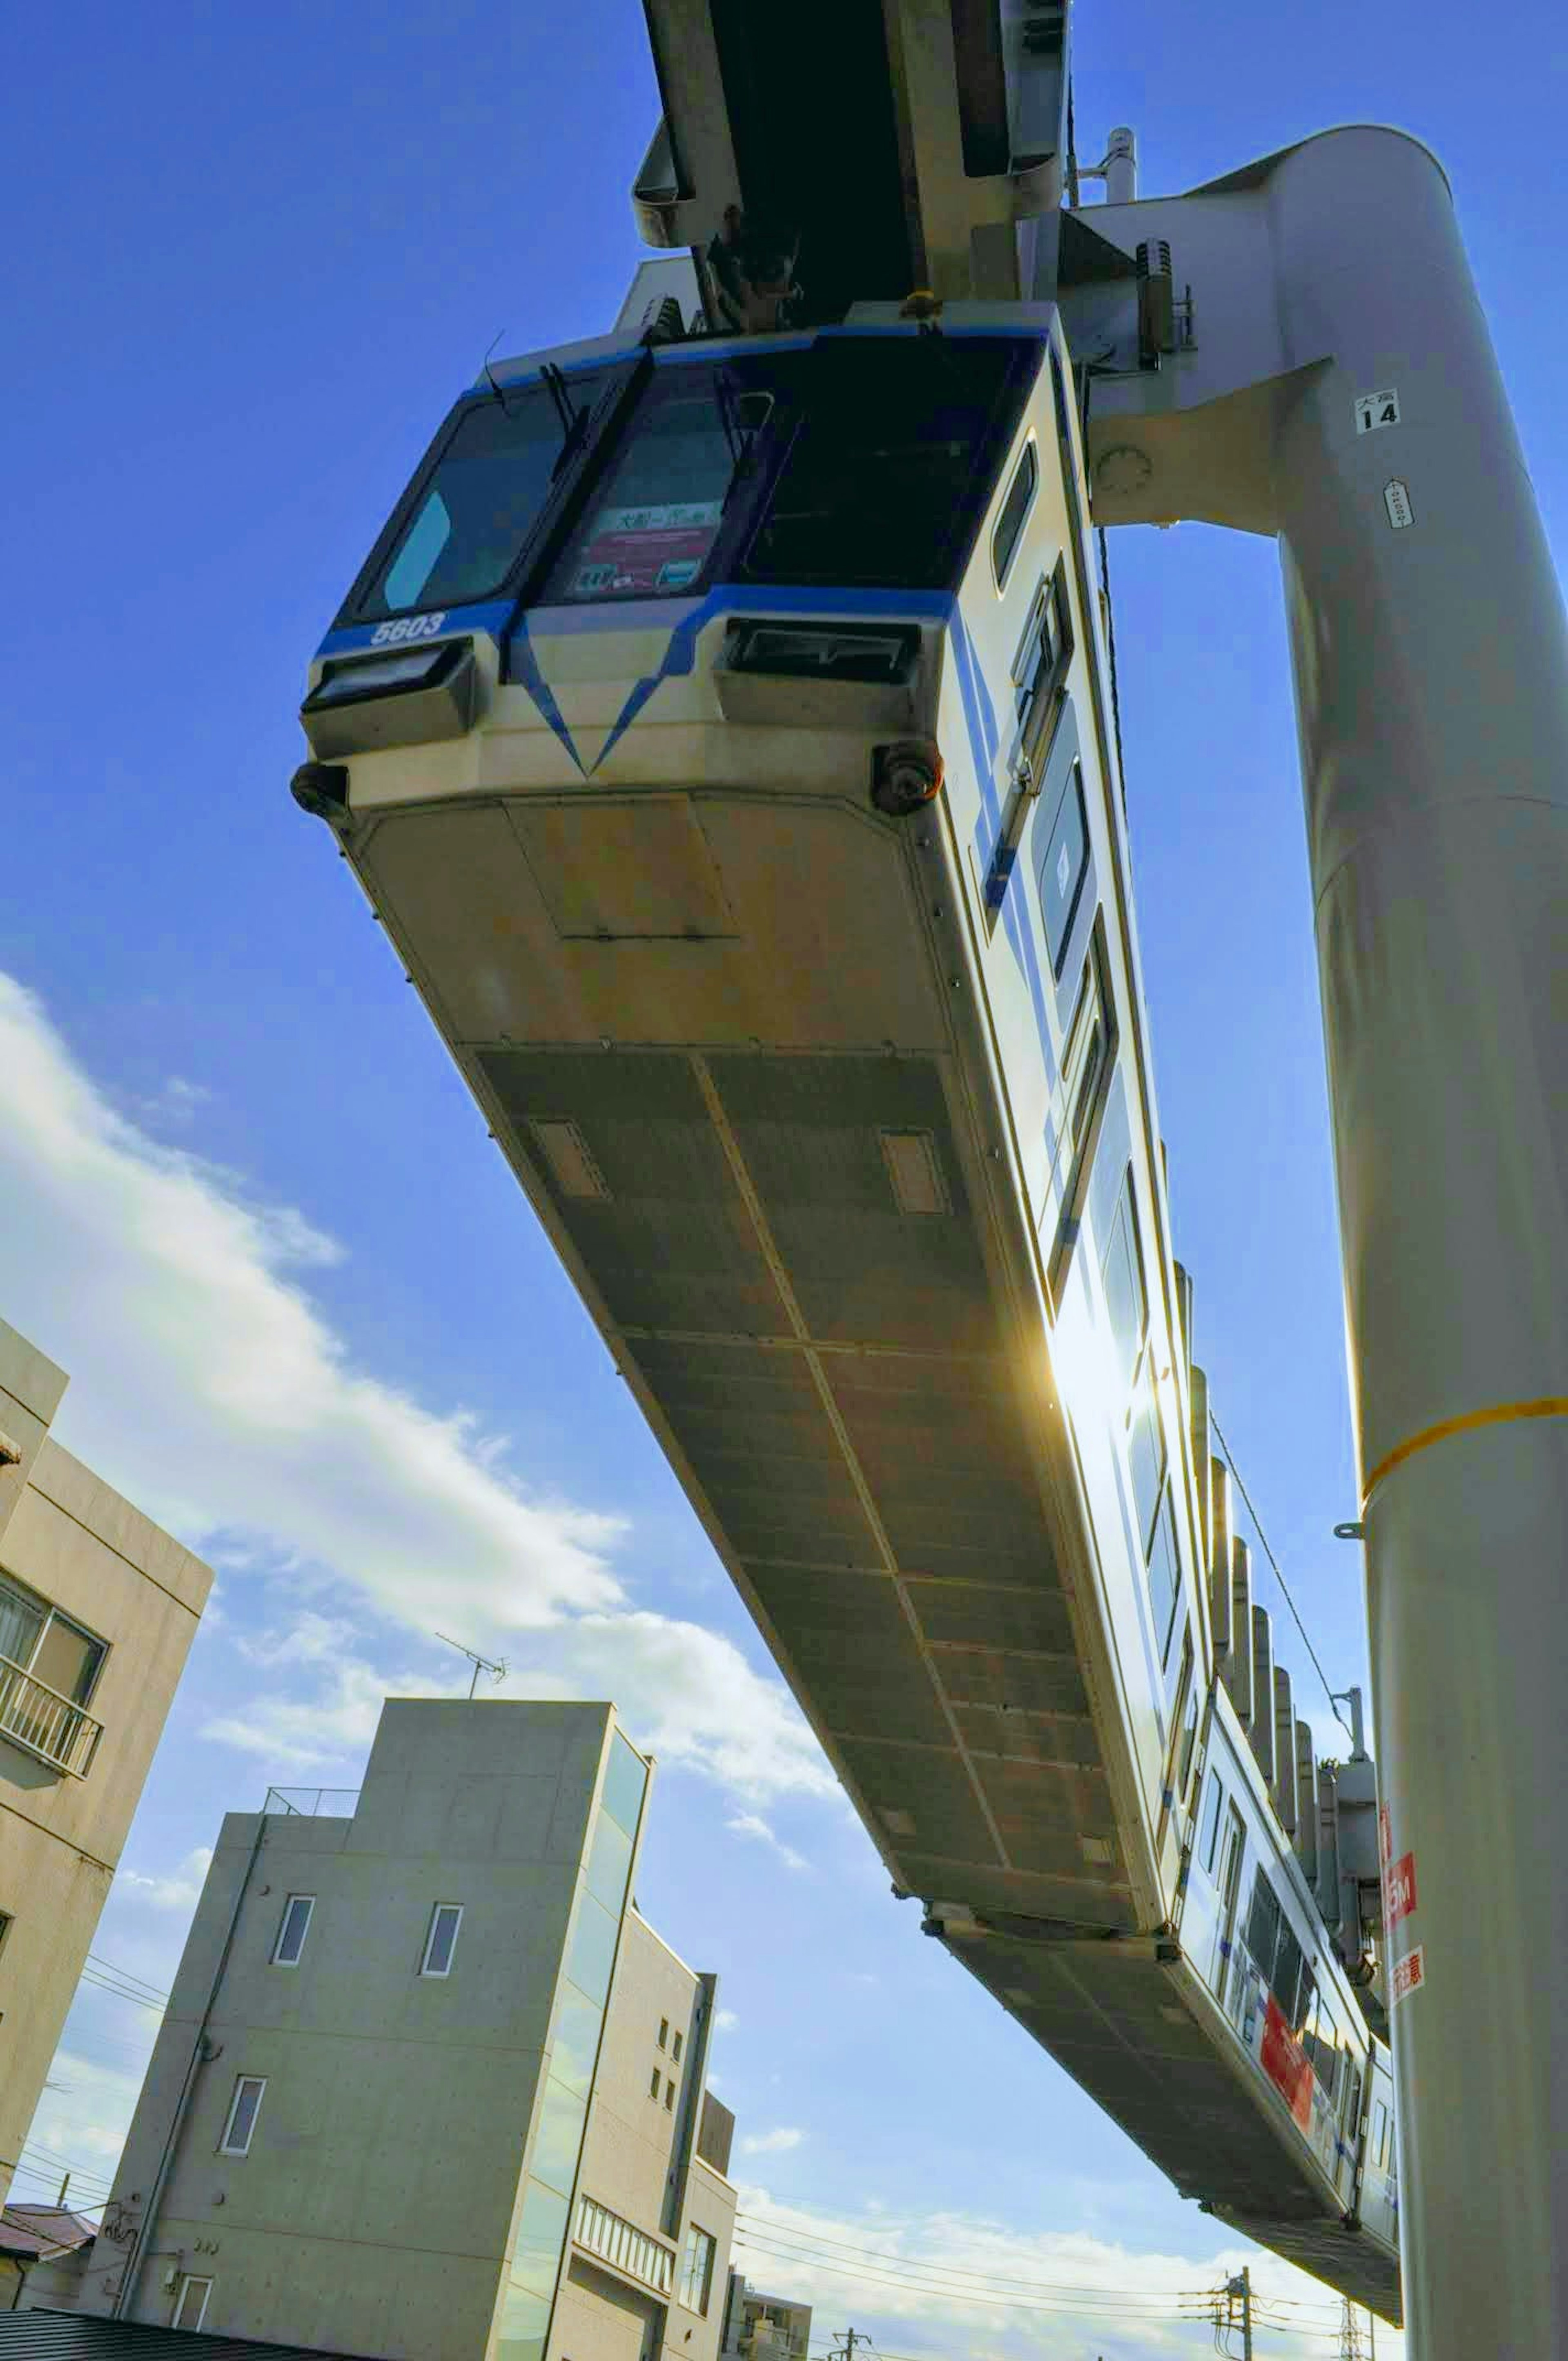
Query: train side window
x=1209, y=1834
x=1039, y=699
x=1040, y=669
x=1165, y=1578
x=1122, y=1272
x=1086, y=1047
x=1089, y=1055
x=1015, y=509
x=1377, y=2139
x=1063, y=871
x=1262, y=1923
x=1323, y=2049
x=1145, y=1457
x=1286, y=1981
x=1353, y=2100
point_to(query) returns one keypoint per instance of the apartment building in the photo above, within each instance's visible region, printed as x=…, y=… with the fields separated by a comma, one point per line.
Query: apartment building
x=429, y=2087
x=760, y=2327
x=97, y=1612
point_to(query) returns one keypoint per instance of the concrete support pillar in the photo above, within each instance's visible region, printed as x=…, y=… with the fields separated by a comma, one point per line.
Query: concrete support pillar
x=1432, y=682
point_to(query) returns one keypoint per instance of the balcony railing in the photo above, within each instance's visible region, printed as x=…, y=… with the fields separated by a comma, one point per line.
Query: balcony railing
x=311, y=1803
x=42, y=1722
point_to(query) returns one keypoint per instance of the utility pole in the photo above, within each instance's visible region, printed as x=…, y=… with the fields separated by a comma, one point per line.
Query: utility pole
x=1350, y=2345
x=1239, y=2290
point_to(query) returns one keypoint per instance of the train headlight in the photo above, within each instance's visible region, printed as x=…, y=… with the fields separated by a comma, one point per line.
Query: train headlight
x=396, y=696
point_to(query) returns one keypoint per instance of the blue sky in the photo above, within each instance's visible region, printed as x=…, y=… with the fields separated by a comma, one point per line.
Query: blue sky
x=245, y=1201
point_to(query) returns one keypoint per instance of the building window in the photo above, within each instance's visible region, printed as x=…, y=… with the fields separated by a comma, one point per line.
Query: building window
x=669, y=2093
x=442, y=1939
x=696, y=2269
x=663, y=2032
x=675, y=2048
x=244, y=2108
x=653, y=2085
x=6, y=1922
x=191, y=2303
x=48, y=1670
x=292, y=1930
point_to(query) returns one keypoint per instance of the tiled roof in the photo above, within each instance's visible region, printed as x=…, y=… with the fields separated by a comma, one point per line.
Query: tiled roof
x=56, y=2225
x=83, y=2336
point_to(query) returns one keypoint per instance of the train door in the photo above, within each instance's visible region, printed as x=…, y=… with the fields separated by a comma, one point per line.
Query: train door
x=1228, y=1985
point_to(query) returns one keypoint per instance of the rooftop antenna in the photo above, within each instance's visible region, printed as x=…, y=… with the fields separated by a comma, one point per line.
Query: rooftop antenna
x=495, y=1665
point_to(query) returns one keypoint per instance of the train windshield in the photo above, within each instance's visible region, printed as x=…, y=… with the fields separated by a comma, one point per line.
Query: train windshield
x=476, y=505
x=856, y=461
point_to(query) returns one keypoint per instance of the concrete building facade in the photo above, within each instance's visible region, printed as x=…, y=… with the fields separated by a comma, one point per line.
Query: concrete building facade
x=98, y=1609
x=429, y=2088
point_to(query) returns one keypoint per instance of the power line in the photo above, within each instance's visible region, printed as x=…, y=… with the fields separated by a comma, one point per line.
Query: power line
x=1273, y=1562
x=1102, y=2305
x=89, y=1975
x=127, y=1976
x=951, y=2277
x=767, y=2223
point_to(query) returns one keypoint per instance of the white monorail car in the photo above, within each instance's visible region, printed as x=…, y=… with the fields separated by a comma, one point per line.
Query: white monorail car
x=721, y=730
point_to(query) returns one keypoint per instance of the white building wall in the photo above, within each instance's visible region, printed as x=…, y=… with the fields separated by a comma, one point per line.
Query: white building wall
x=71, y=1544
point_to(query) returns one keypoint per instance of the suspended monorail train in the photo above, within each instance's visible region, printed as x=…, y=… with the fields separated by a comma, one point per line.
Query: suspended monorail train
x=720, y=729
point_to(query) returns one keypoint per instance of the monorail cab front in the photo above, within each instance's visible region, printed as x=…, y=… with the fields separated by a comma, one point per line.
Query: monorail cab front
x=826, y=476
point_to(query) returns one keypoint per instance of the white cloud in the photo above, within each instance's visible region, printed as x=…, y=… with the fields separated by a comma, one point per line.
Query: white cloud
x=725, y=2021
x=334, y=1722
x=210, y=1386
x=181, y=1891
x=928, y=2281
x=751, y=1823
x=80, y=2125
x=771, y=2143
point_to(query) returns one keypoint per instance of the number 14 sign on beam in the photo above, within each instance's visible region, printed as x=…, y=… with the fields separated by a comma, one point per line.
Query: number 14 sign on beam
x=1376, y=409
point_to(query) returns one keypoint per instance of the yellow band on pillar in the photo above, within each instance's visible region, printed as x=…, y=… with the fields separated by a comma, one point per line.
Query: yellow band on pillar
x=1501, y=1414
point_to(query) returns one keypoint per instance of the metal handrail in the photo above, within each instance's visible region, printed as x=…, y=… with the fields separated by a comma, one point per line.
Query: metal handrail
x=308, y=1802
x=44, y=1723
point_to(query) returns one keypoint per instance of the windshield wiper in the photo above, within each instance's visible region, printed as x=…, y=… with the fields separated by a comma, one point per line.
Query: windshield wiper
x=574, y=421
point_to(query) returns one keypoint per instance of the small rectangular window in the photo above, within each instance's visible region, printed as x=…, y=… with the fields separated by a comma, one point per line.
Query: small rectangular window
x=1039, y=699
x=1015, y=509
x=191, y=2303
x=663, y=2032
x=696, y=2269
x=442, y=1939
x=653, y=2084
x=1122, y=1270
x=1286, y=1981
x=1063, y=870
x=291, y=1928
x=1165, y=1579
x=1262, y=1926
x=669, y=2093
x=244, y=2108
x=1146, y=1462
x=1187, y=1715
x=1209, y=1839
x=6, y=1922
x=675, y=2048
